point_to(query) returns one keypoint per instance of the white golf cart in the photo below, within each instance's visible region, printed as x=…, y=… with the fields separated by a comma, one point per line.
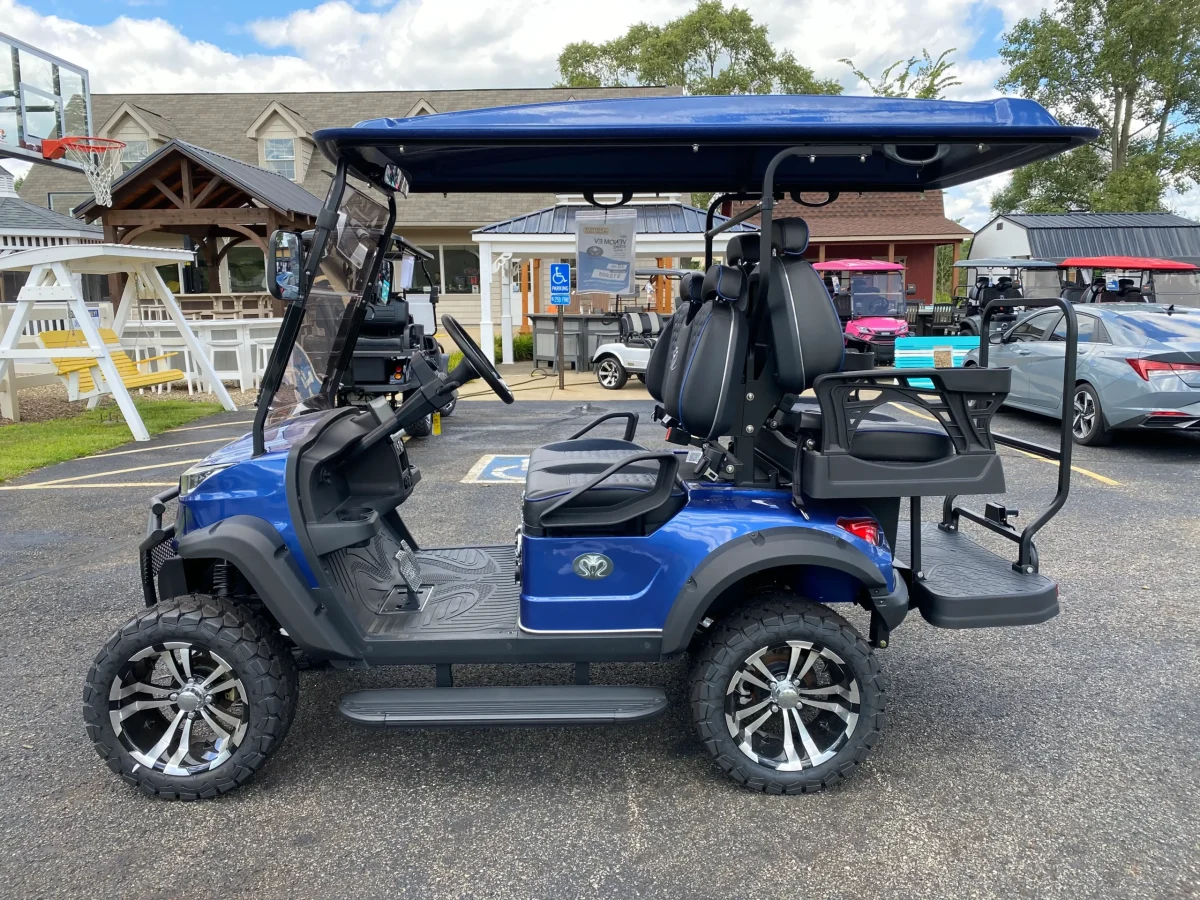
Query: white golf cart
x=629, y=354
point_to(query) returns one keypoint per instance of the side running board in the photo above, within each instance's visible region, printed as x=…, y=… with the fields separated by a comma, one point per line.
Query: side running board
x=587, y=704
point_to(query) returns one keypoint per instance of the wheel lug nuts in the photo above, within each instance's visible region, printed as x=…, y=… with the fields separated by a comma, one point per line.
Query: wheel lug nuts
x=191, y=715
x=174, y=697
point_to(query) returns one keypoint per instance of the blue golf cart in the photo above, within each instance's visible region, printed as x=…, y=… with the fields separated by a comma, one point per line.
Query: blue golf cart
x=291, y=547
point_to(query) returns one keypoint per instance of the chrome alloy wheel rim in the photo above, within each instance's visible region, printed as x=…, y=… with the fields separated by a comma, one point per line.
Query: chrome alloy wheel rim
x=1085, y=414
x=792, y=706
x=178, y=709
x=608, y=373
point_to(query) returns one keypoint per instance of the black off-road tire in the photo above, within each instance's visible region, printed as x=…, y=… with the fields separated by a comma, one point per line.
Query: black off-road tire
x=776, y=618
x=420, y=429
x=259, y=657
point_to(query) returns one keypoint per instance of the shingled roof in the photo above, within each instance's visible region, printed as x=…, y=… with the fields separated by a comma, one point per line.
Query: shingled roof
x=19, y=217
x=269, y=188
x=874, y=217
x=219, y=122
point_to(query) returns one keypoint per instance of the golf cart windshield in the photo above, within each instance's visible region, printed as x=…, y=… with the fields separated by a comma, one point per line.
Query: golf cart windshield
x=1177, y=288
x=877, y=294
x=347, y=261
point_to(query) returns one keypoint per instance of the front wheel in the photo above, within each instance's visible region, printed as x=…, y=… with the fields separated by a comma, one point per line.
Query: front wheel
x=611, y=374
x=787, y=696
x=1087, y=422
x=189, y=699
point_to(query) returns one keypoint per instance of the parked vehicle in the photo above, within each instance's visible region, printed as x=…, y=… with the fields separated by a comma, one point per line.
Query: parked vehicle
x=1132, y=279
x=395, y=328
x=1138, y=367
x=1003, y=279
x=294, y=541
x=629, y=354
x=869, y=297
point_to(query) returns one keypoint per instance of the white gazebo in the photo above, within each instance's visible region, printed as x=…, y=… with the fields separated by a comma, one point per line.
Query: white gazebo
x=667, y=230
x=55, y=275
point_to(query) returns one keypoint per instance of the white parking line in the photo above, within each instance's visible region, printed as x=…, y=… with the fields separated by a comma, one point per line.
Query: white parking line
x=161, y=447
x=49, y=486
x=213, y=425
x=175, y=464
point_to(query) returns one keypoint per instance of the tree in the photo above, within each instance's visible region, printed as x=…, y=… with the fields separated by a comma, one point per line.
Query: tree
x=918, y=77
x=1130, y=68
x=709, y=50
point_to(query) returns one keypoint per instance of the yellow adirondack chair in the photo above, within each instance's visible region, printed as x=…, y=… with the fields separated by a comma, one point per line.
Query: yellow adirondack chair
x=77, y=371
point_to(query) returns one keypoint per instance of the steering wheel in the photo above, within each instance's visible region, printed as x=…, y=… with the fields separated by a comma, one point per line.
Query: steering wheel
x=879, y=306
x=473, y=358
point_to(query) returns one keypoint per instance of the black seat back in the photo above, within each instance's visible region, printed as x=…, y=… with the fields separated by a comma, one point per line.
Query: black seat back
x=806, y=332
x=703, y=378
x=686, y=306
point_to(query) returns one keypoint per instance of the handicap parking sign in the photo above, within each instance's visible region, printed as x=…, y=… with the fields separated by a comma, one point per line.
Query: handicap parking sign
x=498, y=469
x=560, y=284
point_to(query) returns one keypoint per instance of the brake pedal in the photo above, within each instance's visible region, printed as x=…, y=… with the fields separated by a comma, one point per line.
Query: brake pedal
x=410, y=571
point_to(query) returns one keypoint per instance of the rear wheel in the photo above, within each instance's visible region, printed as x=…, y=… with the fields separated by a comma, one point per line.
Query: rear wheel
x=611, y=374
x=787, y=696
x=1087, y=423
x=189, y=699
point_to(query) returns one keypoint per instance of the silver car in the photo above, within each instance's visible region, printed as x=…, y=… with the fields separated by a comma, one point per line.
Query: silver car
x=1138, y=367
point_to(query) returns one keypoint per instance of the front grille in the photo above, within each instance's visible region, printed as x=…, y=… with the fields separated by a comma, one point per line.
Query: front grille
x=152, y=558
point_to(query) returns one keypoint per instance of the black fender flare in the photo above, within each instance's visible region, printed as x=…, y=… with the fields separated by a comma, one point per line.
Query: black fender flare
x=260, y=554
x=734, y=561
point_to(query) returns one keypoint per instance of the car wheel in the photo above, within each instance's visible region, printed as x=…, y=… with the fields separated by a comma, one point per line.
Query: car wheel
x=1087, y=423
x=189, y=699
x=611, y=374
x=787, y=696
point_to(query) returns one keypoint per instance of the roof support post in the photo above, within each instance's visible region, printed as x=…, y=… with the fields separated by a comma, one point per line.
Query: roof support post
x=504, y=267
x=487, y=340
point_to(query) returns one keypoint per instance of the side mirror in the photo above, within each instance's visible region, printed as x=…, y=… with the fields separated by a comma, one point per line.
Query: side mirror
x=285, y=263
x=384, y=284
x=434, y=293
x=996, y=337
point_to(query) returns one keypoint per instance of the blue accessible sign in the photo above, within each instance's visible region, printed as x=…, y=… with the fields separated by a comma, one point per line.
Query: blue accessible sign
x=560, y=284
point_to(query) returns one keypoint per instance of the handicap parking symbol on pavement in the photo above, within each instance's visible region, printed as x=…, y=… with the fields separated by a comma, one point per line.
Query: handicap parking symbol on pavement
x=497, y=469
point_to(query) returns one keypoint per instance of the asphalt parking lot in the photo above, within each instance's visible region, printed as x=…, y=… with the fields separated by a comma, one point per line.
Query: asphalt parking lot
x=1055, y=761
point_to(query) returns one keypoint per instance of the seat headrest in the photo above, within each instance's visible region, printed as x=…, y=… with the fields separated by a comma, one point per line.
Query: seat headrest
x=723, y=284
x=1123, y=283
x=689, y=288
x=742, y=250
x=789, y=236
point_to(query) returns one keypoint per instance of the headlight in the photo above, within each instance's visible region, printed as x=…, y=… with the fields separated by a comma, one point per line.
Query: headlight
x=862, y=330
x=197, y=474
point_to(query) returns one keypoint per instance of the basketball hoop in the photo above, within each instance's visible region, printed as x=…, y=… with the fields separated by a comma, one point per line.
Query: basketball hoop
x=100, y=159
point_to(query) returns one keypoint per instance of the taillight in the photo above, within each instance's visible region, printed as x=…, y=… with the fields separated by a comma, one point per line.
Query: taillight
x=867, y=529
x=1145, y=366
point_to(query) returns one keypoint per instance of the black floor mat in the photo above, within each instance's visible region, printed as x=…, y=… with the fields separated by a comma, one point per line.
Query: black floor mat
x=463, y=590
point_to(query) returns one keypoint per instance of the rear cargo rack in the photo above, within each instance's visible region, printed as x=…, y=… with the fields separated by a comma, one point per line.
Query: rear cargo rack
x=1027, y=561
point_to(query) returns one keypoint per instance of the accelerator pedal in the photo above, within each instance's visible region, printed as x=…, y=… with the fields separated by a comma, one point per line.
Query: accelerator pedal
x=587, y=704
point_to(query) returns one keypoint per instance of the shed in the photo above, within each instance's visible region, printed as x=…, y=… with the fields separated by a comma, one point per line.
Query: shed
x=1056, y=236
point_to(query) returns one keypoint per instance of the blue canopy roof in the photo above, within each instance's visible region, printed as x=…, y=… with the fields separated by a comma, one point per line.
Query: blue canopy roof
x=706, y=144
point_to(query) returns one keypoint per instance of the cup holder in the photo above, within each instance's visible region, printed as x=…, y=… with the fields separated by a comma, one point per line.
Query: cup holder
x=356, y=514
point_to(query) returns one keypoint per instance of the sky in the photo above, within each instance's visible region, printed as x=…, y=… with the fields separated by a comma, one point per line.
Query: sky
x=146, y=46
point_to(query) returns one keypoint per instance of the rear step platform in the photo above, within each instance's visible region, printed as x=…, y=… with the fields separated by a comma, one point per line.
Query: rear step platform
x=586, y=704
x=968, y=586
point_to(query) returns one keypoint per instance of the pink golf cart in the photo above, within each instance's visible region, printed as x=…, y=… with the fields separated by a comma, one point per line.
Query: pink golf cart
x=869, y=297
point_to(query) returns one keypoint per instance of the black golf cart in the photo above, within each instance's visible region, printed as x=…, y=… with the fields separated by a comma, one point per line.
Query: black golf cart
x=391, y=336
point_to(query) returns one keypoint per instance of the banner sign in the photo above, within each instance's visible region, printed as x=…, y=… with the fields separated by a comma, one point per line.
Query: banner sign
x=605, y=251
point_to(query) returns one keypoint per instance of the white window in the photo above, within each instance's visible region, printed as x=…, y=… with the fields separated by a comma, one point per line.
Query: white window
x=134, y=153
x=280, y=156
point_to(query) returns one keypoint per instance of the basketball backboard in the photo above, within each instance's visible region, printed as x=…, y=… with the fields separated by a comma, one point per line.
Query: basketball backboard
x=41, y=97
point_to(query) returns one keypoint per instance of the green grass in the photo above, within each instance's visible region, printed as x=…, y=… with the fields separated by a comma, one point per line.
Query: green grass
x=31, y=445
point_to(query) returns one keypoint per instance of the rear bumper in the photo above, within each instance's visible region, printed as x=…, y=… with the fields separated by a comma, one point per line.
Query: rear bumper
x=1157, y=412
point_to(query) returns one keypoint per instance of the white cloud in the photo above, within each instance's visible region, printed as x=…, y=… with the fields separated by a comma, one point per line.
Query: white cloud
x=447, y=44
x=970, y=204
